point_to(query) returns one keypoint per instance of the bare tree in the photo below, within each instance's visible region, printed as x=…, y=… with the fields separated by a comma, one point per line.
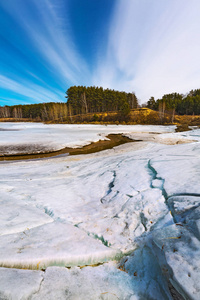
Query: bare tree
x=84, y=101
x=161, y=110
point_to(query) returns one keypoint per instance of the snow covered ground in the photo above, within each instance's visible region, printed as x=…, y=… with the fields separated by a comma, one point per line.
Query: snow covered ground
x=118, y=224
x=37, y=137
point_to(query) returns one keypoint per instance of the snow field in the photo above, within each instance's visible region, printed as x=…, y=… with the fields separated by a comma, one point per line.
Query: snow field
x=140, y=202
x=38, y=137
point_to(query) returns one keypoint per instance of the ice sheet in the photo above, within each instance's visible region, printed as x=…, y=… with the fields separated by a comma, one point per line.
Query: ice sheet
x=93, y=208
x=103, y=282
x=109, y=198
x=18, y=216
x=108, y=281
x=19, y=284
x=38, y=137
x=58, y=244
x=148, y=280
x=182, y=250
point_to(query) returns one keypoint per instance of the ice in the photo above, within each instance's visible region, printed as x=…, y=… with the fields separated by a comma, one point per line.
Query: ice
x=114, y=199
x=183, y=206
x=103, y=282
x=37, y=137
x=17, y=216
x=156, y=183
x=59, y=244
x=182, y=250
x=19, y=284
x=178, y=173
x=140, y=199
x=148, y=280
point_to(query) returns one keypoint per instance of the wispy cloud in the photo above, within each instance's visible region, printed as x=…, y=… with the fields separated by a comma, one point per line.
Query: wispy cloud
x=55, y=42
x=153, y=47
x=33, y=92
x=46, y=34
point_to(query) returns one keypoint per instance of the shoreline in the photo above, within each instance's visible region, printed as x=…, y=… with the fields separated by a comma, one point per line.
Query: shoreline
x=114, y=140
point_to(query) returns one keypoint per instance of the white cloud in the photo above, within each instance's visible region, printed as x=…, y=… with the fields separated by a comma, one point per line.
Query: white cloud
x=30, y=90
x=55, y=42
x=46, y=31
x=153, y=48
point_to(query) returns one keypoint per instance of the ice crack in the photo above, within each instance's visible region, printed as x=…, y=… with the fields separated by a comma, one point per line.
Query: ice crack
x=38, y=291
x=111, y=184
x=184, y=194
x=143, y=220
x=100, y=238
x=110, y=187
x=94, y=235
x=154, y=176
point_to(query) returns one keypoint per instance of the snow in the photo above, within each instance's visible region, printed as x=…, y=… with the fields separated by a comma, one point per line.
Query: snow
x=19, y=284
x=59, y=244
x=135, y=206
x=17, y=216
x=103, y=196
x=103, y=282
x=36, y=137
x=182, y=250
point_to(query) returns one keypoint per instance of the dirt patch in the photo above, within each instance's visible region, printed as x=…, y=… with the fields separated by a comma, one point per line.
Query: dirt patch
x=182, y=127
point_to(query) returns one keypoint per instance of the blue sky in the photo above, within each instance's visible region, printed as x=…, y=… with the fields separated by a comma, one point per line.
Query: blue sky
x=151, y=47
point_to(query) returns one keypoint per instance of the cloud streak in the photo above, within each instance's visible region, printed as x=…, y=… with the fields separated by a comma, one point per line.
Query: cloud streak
x=153, y=47
x=31, y=91
x=55, y=43
x=45, y=32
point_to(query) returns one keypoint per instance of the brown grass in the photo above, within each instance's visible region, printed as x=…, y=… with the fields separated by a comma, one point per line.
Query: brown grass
x=143, y=116
x=114, y=140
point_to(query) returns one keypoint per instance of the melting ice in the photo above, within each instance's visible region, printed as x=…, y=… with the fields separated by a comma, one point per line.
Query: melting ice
x=119, y=224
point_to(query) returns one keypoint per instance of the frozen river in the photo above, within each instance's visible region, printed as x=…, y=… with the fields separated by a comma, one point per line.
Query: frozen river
x=123, y=223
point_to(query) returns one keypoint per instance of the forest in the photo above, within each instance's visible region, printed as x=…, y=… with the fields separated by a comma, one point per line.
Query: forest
x=95, y=104
x=37, y=112
x=80, y=100
x=188, y=104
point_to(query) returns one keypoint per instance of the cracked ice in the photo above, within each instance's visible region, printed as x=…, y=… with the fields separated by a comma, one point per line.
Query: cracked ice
x=119, y=224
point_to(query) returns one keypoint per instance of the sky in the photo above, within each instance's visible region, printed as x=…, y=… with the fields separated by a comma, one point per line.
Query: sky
x=150, y=47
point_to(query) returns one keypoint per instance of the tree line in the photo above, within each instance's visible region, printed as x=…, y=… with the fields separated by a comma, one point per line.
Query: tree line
x=188, y=104
x=83, y=100
x=38, y=112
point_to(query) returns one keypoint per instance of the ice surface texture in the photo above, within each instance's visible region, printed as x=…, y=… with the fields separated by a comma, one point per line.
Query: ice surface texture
x=139, y=200
x=57, y=244
x=36, y=137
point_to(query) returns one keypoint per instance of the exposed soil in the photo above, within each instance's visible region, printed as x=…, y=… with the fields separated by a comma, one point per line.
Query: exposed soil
x=182, y=127
x=114, y=140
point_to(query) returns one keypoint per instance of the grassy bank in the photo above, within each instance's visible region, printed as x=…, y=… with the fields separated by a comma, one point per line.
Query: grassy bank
x=143, y=116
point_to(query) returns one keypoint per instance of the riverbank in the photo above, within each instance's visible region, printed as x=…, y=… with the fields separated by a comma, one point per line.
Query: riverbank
x=140, y=116
x=112, y=140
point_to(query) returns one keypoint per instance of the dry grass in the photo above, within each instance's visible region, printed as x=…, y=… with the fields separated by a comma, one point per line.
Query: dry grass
x=15, y=120
x=137, y=116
